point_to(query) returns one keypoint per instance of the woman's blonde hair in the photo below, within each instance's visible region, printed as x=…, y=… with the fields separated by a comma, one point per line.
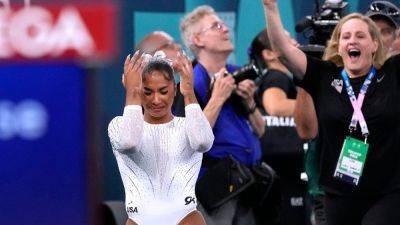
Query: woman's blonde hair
x=332, y=50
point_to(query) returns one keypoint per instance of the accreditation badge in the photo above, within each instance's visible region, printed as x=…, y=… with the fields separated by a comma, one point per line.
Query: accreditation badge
x=351, y=161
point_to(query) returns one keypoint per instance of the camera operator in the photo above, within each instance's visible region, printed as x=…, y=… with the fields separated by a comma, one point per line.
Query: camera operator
x=318, y=27
x=208, y=38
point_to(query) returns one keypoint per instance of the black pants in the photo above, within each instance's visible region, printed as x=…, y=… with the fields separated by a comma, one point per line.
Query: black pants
x=366, y=210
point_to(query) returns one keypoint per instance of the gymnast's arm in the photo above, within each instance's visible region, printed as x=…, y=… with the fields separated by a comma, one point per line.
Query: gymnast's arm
x=125, y=131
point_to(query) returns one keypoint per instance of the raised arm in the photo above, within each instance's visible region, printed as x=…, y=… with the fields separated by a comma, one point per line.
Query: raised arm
x=184, y=66
x=125, y=131
x=293, y=57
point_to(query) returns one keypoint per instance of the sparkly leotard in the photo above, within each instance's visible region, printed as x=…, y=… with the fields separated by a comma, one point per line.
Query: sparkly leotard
x=159, y=163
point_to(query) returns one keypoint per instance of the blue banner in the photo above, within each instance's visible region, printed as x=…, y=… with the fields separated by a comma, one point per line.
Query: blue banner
x=42, y=145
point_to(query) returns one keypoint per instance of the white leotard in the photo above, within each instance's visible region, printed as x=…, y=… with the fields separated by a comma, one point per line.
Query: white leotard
x=159, y=163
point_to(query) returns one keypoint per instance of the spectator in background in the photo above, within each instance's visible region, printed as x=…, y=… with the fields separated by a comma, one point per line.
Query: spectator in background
x=276, y=89
x=386, y=16
x=281, y=146
x=159, y=155
x=159, y=41
x=236, y=133
x=396, y=43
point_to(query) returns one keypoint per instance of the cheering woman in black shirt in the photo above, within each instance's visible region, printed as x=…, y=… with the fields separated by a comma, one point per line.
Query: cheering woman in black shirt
x=357, y=100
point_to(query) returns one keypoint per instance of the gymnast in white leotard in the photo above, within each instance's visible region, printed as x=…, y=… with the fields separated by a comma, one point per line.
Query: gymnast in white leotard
x=159, y=155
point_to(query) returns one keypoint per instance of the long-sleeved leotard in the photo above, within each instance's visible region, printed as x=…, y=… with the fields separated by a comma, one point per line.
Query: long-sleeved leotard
x=159, y=163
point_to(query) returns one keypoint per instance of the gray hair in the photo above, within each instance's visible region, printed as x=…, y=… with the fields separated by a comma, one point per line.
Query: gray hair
x=189, y=21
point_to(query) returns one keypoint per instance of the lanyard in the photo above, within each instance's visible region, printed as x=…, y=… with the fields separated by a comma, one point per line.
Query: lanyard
x=357, y=102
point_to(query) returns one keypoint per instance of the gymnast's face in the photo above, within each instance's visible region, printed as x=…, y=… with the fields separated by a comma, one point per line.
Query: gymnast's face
x=157, y=97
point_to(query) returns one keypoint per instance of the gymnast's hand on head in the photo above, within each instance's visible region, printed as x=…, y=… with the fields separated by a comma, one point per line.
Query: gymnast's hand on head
x=132, y=79
x=184, y=67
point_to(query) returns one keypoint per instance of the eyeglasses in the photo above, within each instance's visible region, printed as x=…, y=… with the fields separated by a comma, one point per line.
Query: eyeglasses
x=385, y=7
x=217, y=26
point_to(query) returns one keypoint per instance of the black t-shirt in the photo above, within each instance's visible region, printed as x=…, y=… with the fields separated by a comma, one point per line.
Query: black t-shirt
x=277, y=79
x=381, y=109
x=282, y=147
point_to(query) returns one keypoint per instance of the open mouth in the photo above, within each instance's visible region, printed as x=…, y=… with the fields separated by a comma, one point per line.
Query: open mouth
x=354, y=54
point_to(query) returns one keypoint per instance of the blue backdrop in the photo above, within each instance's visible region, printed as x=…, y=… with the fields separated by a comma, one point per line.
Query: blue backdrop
x=43, y=148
